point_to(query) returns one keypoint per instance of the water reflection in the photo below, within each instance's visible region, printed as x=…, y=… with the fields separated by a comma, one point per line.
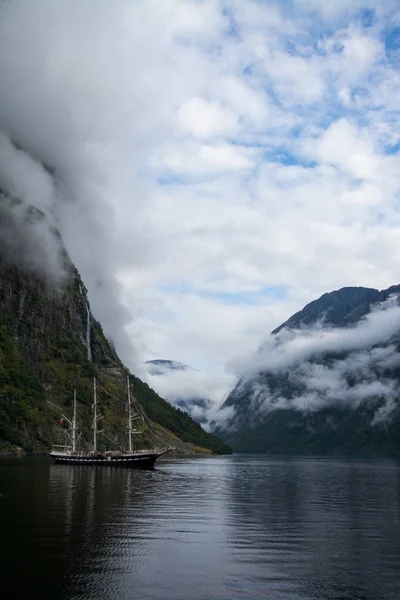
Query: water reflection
x=320, y=529
x=224, y=528
x=99, y=504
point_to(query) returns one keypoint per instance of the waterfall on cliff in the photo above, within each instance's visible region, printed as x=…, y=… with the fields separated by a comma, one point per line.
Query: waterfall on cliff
x=88, y=325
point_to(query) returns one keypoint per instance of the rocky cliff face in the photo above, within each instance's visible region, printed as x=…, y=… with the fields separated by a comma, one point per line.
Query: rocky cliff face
x=50, y=344
x=326, y=380
x=340, y=308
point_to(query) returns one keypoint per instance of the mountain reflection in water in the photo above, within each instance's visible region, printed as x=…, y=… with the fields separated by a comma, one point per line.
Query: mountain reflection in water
x=226, y=528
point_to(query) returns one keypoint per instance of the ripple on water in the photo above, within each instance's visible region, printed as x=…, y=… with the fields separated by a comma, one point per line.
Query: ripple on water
x=224, y=528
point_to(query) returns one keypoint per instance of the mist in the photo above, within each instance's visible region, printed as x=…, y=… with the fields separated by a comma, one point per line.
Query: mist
x=202, y=391
x=78, y=109
x=327, y=366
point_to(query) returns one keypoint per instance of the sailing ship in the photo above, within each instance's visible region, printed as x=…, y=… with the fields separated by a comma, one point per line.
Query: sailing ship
x=69, y=455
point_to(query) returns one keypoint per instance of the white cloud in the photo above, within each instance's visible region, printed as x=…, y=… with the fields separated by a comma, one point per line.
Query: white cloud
x=248, y=100
x=347, y=147
x=210, y=150
x=202, y=160
x=362, y=50
x=206, y=119
x=192, y=385
x=295, y=79
x=292, y=346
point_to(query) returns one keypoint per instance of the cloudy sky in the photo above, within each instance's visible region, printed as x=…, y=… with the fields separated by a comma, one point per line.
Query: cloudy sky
x=217, y=164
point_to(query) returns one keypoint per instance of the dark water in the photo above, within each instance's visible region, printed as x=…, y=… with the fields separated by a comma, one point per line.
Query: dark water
x=224, y=528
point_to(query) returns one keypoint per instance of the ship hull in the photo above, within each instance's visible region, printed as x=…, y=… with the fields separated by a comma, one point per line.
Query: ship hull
x=145, y=460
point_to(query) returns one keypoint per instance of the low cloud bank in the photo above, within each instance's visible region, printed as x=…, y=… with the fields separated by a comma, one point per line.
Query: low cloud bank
x=289, y=347
x=75, y=115
x=198, y=392
x=310, y=369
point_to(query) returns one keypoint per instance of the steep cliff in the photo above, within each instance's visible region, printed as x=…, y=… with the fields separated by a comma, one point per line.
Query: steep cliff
x=326, y=380
x=50, y=344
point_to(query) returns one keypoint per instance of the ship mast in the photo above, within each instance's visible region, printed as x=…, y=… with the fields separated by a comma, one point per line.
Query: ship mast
x=96, y=416
x=74, y=425
x=131, y=417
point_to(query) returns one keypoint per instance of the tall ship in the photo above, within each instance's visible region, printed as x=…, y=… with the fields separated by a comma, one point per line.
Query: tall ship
x=131, y=458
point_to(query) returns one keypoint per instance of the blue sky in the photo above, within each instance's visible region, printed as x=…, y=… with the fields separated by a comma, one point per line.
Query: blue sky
x=220, y=163
x=246, y=298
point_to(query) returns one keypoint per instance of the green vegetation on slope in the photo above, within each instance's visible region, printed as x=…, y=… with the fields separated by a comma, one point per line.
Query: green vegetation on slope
x=330, y=431
x=24, y=417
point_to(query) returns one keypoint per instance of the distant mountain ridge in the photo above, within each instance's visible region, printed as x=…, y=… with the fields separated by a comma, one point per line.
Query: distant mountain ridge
x=313, y=390
x=339, y=308
x=195, y=406
x=162, y=367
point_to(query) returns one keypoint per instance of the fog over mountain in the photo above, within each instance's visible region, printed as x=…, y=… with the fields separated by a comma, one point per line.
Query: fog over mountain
x=340, y=353
x=189, y=389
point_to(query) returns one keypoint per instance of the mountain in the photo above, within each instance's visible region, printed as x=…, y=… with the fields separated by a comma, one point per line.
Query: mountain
x=325, y=381
x=163, y=367
x=194, y=405
x=50, y=343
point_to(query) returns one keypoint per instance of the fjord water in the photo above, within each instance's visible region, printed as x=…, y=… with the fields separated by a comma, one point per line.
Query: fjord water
x=226, y=528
